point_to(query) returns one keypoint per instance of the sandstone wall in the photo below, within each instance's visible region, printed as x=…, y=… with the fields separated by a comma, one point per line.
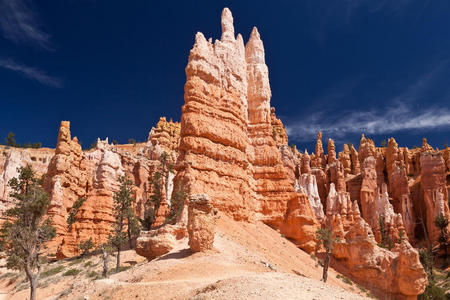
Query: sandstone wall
x=93, y=175
x=12, y=158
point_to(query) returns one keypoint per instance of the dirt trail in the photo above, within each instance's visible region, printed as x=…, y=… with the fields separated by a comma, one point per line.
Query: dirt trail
x=3, y=295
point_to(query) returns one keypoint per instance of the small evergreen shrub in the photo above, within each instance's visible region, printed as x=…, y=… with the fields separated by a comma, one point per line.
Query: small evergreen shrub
x=72, y=272
x=52, y=271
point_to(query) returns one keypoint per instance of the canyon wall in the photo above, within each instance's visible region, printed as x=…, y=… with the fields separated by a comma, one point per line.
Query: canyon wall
x=70, y=173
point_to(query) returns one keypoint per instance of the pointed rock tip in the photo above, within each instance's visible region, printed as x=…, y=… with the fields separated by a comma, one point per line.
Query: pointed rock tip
x=65, y=124
x=199, y=37
x=227, y=24
x=255, y=33
x=226, y=13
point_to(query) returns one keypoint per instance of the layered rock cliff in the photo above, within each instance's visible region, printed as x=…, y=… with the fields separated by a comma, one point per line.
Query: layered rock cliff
x=93, y=175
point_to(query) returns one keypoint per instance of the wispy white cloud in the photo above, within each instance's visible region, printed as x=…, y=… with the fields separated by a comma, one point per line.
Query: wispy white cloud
x=30, y=72
x=399, y=113
x=21, y=24
x=387, y=120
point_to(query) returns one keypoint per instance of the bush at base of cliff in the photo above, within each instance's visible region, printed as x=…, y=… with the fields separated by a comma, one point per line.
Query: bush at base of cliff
x=433, y=292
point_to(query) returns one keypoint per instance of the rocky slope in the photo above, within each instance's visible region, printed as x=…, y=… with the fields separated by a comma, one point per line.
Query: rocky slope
x=231, y=149
x=249, y=261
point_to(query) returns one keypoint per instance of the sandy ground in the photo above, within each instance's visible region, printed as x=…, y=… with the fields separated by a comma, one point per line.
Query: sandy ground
x=249, y=261
x=3, y=295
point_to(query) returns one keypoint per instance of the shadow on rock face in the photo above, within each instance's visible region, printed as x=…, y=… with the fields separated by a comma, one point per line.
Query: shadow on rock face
x=177, y=255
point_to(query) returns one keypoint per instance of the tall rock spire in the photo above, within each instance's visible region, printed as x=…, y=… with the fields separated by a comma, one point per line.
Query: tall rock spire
x=227, y=25
x=331, y=151
x=254, y=50
x=258, y=86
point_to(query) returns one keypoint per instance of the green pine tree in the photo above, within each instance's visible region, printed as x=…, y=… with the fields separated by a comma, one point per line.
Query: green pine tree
x=24, y=234
x=123, y=202
x=325, y=237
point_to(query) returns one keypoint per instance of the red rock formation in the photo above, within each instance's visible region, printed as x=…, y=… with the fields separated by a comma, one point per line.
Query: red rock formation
x=426, y=146
x=345, y=159
x=306, y=163
x=279, y=132
x=397, y=273
x=273, y=174
x=380, y=157
x=375, y=205
x=166, y=134
x=201, y=223
x=355, y=160
x=398, y=185
x=231, y=146
x=93, y=175
x=307, y=185
x=154, y=243
x=446, y=156
x=319, y=160
x=434, y=187
x=66, y=179
x=335, y=174
x=389, y=274
x=321, y=179
x=353, y=184
x=300, y=224
x=331, y=155
x=214, y=136
x=366, y=149
x=339, y=203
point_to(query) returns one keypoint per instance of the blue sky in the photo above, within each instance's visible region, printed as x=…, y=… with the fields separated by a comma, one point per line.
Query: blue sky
x=113, y=67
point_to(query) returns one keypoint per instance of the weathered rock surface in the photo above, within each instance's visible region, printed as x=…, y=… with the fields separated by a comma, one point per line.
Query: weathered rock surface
x=93, y=175
x=435, y=193
x=201, y=223
x=377, y=211
x=231, y=147
x=319, y=160
x=165, y=134
x=154, y=243
x=307, y=185
x=397, y=273
x=13, y=158
x=214, y=123
x=345, y=159
x=300, y=224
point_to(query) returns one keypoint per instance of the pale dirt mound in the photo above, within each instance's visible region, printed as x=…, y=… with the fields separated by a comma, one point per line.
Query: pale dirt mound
x=272, y=286
x=249, y=261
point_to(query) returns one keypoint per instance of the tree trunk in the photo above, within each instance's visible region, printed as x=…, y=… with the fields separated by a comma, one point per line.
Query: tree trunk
x=105, y=263
x=33, y=282
x=33, y=285
x=130, y=243
x=118, y=260
x=325, y=266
